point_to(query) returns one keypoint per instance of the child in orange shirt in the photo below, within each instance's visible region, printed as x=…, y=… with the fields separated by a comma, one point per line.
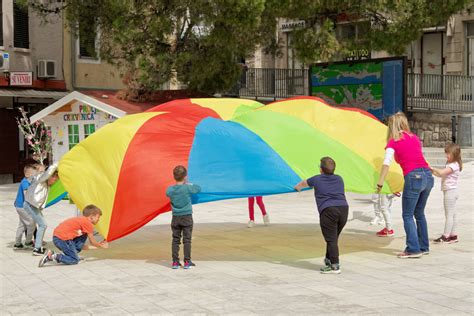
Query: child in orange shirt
x=71, y=235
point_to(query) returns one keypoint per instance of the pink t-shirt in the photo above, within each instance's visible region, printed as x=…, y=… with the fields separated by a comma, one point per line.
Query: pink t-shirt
x=451, y=181
x=408, y=152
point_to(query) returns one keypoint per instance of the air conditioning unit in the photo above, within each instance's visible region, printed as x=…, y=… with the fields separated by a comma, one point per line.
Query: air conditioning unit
x=4, y=61
x=46, y=68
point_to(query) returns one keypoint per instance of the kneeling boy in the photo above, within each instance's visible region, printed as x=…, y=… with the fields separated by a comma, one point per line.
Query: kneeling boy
x=71, y=235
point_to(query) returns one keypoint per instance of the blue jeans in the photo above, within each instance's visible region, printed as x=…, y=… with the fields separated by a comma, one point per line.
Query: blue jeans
x=70, y=249
x=39, y=219
x=417, y=188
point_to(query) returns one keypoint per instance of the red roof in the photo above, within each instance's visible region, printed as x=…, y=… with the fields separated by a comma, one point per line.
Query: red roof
x=110, y=97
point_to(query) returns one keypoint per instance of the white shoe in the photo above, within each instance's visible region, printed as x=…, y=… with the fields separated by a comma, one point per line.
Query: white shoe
x=250, y=224
x=266, y=219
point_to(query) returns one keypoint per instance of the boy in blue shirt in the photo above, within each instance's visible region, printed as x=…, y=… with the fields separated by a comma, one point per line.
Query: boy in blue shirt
x=182, y=222
x=333, y=209
x=26, y=224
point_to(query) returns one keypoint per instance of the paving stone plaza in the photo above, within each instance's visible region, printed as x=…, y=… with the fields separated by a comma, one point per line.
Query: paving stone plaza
x=264, y=270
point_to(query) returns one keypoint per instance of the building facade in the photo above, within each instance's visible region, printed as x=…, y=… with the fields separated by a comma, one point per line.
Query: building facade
x=31, y=75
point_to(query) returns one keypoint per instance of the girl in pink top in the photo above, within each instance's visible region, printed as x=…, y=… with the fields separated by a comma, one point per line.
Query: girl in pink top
x=449, y=184
x=406, y=148
x=266, y=218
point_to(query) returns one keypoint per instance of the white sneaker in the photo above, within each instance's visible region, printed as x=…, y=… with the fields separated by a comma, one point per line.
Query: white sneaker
x=250, y=224
x=266, y=219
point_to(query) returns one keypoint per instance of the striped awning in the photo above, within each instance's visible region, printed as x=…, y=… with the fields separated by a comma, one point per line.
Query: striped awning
x=31, y=93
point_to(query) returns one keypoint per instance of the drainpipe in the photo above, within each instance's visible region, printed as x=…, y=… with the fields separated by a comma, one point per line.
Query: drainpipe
x=73, y=61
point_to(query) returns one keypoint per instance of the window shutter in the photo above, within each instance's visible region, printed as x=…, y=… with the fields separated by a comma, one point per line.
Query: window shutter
x=87, y=39
x=21, y=35
x=1, y=22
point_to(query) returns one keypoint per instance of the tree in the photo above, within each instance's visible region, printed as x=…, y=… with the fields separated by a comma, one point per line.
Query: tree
x=388, y=25
x=201, y=41
x=37, y=136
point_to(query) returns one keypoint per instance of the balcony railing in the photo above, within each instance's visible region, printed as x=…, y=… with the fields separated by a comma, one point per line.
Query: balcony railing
x=446, y=93
x=443, y=93
x=271, y=83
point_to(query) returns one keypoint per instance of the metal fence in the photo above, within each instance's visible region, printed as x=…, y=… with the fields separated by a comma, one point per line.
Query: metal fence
x=442, y=93
x=271, y=83
x=445, y=93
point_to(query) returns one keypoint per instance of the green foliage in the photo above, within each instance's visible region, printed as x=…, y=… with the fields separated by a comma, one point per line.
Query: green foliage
x=202, y=41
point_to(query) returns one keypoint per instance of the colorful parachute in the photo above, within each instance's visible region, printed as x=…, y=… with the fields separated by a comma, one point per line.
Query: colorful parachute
x=232, y=148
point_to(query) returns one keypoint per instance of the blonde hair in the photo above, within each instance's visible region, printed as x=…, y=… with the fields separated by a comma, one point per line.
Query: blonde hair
x=455, y=152
x=397, y=123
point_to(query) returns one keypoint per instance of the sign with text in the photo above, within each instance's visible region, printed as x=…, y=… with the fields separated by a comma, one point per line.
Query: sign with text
x=291, y=25
x=21, y=78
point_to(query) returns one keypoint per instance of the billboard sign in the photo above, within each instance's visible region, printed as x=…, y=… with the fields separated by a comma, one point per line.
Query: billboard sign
x=375, y=85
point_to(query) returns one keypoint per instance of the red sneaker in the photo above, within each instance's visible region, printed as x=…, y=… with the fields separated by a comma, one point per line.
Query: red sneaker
x=452, y=239
x=385, y=233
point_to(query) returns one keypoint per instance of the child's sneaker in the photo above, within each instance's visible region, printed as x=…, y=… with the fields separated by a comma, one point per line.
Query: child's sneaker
x=18, y=247
x=175, y=265
x=327, y=262
x=376, y=221
x=29, y=245
x=47, y=258
x=331, y=269
x=453, y=239
x=441, y=239
x=250, y=224
x=188, y=264
x=266, y=219
x=406, y=255
x=385, y=233
x=39, y=251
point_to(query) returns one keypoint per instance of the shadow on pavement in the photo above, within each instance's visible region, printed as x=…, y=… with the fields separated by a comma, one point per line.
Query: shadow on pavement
x=297, y=245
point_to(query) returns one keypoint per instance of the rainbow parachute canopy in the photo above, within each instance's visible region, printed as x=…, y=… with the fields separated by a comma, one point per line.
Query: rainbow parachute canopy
x=232, y=148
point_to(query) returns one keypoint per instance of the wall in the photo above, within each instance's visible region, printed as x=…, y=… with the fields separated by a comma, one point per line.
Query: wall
x=91, y=74
x=45, y=41
x=78, y=114
x=434, y=130
x=456, y=49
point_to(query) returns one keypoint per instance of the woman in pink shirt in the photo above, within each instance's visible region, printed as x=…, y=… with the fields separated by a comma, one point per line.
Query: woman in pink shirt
x=406, y=148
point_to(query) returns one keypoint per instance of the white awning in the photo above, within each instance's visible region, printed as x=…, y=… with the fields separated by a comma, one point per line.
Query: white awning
x=31, y=93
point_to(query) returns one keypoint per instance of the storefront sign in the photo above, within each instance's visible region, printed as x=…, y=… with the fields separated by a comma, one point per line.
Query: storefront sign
x=79, y=117
x=87, y=109
x=290, y=26
x=86, y=113
x=358, y=54
x=21, y=78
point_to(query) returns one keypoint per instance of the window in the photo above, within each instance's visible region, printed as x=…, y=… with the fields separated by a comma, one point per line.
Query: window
x=353, y=31
x=88, y=129
x=73, y=132
x=21, y=35
x=470, y=48
x=87, y=41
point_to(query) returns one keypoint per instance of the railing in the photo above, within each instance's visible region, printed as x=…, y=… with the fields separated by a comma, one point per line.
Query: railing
x=271, y=83
x=446, y=93
x=442, y=93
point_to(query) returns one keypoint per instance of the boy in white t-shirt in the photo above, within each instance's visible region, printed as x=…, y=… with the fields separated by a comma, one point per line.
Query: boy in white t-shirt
x=449, y=183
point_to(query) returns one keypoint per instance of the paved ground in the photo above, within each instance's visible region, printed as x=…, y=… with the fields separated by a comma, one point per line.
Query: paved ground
x=263, y=270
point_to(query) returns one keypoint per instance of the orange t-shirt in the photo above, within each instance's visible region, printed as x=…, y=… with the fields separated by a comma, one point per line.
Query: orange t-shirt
x=73, y=227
